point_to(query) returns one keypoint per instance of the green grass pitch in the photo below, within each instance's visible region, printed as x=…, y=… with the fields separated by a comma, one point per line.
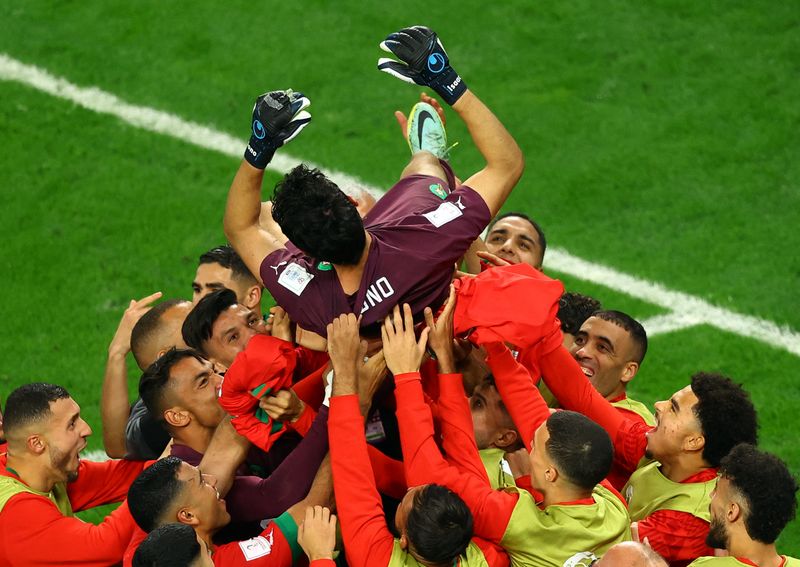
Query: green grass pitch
x=661, y=138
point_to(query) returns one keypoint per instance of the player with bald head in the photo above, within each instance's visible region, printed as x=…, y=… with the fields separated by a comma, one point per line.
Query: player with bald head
x=43, y=482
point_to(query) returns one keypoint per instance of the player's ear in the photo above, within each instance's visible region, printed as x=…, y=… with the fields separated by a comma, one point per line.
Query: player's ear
x=177, y=417
x=506, y=439
x=403, y=541
x=252, y=298
x=187, y=516
x=631, y=368
x=36, y=444
x=694, y=442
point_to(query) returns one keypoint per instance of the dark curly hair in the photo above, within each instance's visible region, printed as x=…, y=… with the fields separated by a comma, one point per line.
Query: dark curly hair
x=439, y=525
x=318, y=217
x=726, y=414
x=573, y=310
x=767, y=488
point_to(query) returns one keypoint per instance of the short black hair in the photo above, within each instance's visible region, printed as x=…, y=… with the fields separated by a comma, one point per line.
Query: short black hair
x=439, y=525
x=29, y=404
x=580, y=448
x=767, y=487
x=318, y=217
x=148, y=325
x=726, y=415
x=200, y=320
x=171, y=545
x=573, y=310
x=227, y=257
x=154, y=381
x=632, y=326
x=153, y=492
x=536, y=227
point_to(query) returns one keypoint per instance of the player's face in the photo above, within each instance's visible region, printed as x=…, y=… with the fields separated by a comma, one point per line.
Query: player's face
x=604, y=352
x=195, y=387
x=202, y=499
x=676, y=425
x=231, y=332
x=401, y=516
x=514, y=239
x=540, y=460
x=66, y=437
x=213, y=277
x=720, y=500
x=488, y=415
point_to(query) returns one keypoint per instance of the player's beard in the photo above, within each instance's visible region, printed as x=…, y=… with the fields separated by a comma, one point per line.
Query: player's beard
x=717, y=535
x=59, y=460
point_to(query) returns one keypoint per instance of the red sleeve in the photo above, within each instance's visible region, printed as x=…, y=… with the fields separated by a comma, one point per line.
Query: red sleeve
x=136, y=540
x=309, y=361
x=304, y=421
x=522, y=398
x=269, y=549
x=322, y=563
x=32, y=527
x=367, y=540
x=311, y=389
x=678, y=537
x=458, y=434
x=494, y=554
x=390, y=476
x=102, y=483
x=574, y=392
x=491, y=510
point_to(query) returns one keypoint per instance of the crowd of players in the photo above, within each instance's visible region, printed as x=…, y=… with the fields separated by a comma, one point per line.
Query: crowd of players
x=391, y=409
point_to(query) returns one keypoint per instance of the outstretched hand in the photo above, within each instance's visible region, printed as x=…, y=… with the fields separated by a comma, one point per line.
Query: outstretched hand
x=346, y=351
x=401, y=349
x=121, y=343
x=316, y=534
x=440, y=337
x=278, y=116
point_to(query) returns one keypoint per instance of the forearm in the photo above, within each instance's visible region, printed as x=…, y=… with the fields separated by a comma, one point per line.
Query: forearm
x=458, y=433
x=115, y=406
x=522, y=399
x=243, y=208
x=367, y=539
x=225, y=453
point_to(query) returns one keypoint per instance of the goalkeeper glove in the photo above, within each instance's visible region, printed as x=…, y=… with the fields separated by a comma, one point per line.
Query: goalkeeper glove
x=278, y=116
x=423, y=61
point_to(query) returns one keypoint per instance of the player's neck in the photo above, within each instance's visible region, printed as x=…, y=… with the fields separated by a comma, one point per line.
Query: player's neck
x=32, y=473
x=678, y=468
x=763, y=555
x=195, y=436
x=562, y=493
x=350, y=274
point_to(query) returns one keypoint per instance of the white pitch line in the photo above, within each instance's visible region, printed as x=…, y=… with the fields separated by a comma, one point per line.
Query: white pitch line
x=668, y=323
x=686, y=307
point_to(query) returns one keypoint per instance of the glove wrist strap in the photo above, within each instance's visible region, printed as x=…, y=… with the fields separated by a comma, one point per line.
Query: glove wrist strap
x=258, y=157
x=449, y=85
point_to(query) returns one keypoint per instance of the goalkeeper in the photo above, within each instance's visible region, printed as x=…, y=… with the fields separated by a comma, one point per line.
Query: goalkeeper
x=330, y=262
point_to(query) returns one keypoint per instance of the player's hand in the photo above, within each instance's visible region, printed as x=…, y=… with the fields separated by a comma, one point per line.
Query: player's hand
x=370, y=377
x=491, y=260
x=278, y=324
x=440, y=336
x=278, y=117
x=316, y=534
x=284, y=405
x=121, y=343
x=346, y=352
x=519, y=462
x=401, y=349
x=423, y=61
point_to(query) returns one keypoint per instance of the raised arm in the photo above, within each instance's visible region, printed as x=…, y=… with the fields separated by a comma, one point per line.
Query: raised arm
x=114, y=404
x=424, y=61
x=367, y=539
x=278, y=116
x=491, y=509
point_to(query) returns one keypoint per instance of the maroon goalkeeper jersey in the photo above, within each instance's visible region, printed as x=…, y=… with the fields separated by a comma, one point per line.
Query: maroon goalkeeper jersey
x=419, y=230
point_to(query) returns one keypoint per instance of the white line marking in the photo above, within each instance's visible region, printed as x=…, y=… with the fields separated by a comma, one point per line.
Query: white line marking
x=687, y=309
x=683, y=304
x=669, y=322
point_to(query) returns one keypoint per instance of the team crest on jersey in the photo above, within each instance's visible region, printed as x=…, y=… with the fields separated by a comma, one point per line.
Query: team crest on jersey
x=582, y=559
x=438, y=190
x=260, y=546
x=324, y=266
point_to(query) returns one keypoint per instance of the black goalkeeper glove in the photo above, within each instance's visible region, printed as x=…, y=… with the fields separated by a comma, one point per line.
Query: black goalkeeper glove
x=278, y=116
x=423, y=61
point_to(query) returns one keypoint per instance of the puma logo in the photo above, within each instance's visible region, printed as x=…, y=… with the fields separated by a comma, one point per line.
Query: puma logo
x=278, y=266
